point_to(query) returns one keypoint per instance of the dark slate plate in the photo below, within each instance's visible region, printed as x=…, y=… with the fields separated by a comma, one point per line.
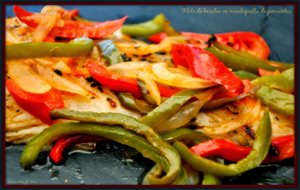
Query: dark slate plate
x=108, y=165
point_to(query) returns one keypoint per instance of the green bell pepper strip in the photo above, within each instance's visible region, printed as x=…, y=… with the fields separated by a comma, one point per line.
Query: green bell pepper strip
x=236, y=62
x=245, y=75
x=168, y=107
x=257, y=155
x=130, y=102
x=130, y=123
x=246, y=55
x=181, y=117
x=279, y=101
x=187, y=176
x=77, y=47
x=118, y=134
x=213, y=104
x=145, y=92
x=145, y=29
x=185, y=113
x=283, y=81
x=209, y=179
x=185, y=134
x=110, y=52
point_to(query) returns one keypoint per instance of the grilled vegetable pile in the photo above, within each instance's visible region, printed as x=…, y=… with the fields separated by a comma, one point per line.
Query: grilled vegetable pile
x=190, y=102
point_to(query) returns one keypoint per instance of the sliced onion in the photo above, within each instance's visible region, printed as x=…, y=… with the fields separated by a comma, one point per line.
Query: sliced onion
x=59, y=82
x=163, y=75
x=47, y=23
x=137, y=48
x=62, y=66
x=223, y=120
x=128, y=69
x=26, y=78
x=151, y=86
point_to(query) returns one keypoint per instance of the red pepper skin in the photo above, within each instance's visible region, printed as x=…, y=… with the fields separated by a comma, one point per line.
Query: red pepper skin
x=221, y=148
x=178, y=55
x=166, y=91
x=72, y=28
x=206, y=65
x=39, y=105
x=57, y=152
x=157, y=38
x=285, y=145
x=112, y=81
x=246, y=41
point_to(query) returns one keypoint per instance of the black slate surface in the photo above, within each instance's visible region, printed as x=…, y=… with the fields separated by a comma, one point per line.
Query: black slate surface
x=108, y=165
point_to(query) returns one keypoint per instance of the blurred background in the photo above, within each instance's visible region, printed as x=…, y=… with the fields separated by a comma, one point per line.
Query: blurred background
x=274, y=23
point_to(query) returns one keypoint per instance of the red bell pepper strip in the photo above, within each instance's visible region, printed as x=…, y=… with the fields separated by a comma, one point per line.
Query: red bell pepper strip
x=72, y=28
x=221, y=148
x=285, y=146
x=246, y=41
x=157, y=38
x=233, y=152
x=39, y=105
x=113, y=81
x=166, y=91
x=57, y=152
x=206, y=65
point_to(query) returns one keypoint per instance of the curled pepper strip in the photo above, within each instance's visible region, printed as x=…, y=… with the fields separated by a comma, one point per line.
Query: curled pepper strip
x=257, y=155
x=172, y=169
x=118, y=134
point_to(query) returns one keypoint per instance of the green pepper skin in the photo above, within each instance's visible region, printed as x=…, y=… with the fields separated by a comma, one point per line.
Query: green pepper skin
x=185, y=134
x=209, y=179
x=172, y=169
x=115, y=133
x=236, y=62
x=78, y=47
x=245, y=55
x=283, y=81
x=279, y=101
x=260, y=150
x=245, y=75
x=130, y=102
x=187, y=176
x=168, y=107
x=182, y=116
x=145, y=29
